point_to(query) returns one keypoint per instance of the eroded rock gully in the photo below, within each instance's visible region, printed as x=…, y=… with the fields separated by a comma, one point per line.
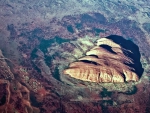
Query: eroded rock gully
x=113, y=59
x=14, y=97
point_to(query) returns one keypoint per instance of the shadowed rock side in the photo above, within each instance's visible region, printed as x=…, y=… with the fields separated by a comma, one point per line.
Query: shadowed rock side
x=113, y=59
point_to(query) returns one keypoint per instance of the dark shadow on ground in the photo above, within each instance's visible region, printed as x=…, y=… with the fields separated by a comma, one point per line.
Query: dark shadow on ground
x=134, y=54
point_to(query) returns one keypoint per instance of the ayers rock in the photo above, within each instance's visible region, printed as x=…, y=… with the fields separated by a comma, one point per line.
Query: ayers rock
x=113, y=59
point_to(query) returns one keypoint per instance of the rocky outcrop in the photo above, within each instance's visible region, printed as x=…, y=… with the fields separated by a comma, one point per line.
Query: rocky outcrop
x=108, y=61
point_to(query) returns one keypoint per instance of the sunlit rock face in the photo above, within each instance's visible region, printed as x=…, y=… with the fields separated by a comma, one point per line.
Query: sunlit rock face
x=111, y=60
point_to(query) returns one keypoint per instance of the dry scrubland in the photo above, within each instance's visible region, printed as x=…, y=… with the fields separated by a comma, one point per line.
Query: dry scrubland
x=39, y=39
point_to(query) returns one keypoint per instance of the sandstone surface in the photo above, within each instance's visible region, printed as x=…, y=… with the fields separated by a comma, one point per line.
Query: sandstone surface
x=106, y=62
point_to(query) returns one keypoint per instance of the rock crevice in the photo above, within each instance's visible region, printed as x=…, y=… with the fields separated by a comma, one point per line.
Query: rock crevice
x=111, y=60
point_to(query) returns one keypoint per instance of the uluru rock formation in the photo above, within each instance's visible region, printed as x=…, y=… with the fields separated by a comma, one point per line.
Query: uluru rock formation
x=113, y=59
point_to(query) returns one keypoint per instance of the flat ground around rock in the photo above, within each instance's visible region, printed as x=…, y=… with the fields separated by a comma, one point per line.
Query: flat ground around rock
x=40, y=38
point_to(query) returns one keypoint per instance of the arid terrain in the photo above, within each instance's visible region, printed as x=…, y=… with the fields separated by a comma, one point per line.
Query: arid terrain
x=39, y=39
